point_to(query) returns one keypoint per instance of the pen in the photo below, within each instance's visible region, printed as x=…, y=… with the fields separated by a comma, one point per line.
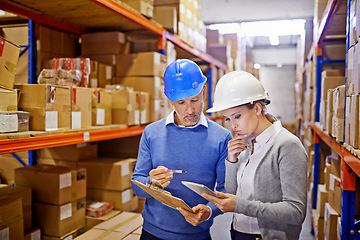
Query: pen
x=177, y=171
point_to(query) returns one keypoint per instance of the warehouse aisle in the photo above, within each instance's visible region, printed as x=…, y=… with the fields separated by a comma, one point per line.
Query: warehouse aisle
x=221, y=227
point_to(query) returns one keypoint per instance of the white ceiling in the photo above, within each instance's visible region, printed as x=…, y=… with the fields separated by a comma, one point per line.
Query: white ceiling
x=222, y=11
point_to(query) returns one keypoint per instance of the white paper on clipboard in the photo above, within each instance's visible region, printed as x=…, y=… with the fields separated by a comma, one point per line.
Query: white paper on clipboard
x=198, y=188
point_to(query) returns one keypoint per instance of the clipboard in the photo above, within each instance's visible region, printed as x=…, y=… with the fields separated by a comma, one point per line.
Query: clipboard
x=163, y=196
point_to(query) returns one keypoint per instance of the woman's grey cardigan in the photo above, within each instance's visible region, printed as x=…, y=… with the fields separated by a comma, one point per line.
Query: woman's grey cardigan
x=280, y=188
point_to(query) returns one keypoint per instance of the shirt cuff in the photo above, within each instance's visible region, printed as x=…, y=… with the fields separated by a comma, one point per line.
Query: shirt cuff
x=210, y=213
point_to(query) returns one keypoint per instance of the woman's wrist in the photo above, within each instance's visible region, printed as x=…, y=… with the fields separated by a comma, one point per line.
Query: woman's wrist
x=227, y=159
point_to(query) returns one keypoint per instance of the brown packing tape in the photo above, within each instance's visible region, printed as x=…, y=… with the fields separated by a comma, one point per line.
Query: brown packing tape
x=11, y=67
x=11, y=108
x=107, y=232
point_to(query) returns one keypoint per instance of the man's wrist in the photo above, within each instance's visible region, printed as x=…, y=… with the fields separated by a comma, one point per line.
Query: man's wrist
x=210, y=213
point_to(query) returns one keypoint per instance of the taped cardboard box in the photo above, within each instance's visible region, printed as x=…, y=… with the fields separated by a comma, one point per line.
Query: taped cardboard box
x=132, y=237
x=91, y=222
x=329, y=111
x=100, y=75
x=9, y=57
x=335, y=193
x=69, y=236
x=60, y=220
x=64, y=183
x=125, y=222
x=101, y=107
x=9, y=164
x=322, y=198
x=108, y=173
x=123, y=104
x=81, y=108
x=330, y=222
x=167, y=17
x=330, y=82
x=14, y=121
x=141, y=64
x=46, y=161
x=8, y=99
x=318, y=225
x=32, y=234
x=122, y=200
x=75, y=152
x=99, y=234
x=49, y=106
x=25, y=195
x=352, y=121
x=11, y=217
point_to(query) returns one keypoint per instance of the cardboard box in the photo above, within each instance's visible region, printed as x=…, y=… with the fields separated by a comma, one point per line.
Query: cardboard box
x=25, y=195
x=352, y=82
x=143, y=107
x=11, y=217
x=64, y=183
x=75, y=152
x=8, y=99
x=330, y=82
x=9, y=57
x=145, y=7
x=221, y=52
x=91, y=222
x=109, y=173
x=32, y=234
x=122, y=200
x=81, y=108
x=68, y=236
x=125, y=222
x=132, y=237
x=352, y=121
x=105, y=75
x=46, y=161
x=101, y=107
x=123, y=104
x=167, y=17
x=329, y=111
x=14, y=121
x=140, y=64
x=120, y=147
x=330, y=222
x=97, y=234
x=335, y=193
x=322, y=198
x=153, y=85
x=59, y=220
x=103, y=43
x=318, y=225
x=49, y=106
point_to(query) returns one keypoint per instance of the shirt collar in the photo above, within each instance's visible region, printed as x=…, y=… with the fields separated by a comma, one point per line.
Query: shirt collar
x=265, y=136
x=171, y=119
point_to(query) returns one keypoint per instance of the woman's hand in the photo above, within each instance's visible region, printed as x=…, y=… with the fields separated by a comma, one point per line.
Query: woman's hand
x=235, y=146
x=162, y=175
x=226, y=202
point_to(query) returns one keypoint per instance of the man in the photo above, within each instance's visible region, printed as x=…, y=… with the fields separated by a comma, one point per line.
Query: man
x=185, y=140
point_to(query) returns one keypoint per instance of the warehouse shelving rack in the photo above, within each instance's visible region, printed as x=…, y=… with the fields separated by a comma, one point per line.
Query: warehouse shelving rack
x=80, y=16
x=350, y=164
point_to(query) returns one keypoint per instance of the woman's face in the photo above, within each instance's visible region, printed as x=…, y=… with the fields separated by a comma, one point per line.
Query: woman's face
x=244, y=121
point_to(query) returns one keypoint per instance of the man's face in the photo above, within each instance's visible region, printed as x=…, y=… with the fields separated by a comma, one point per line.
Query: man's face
x=188, y=110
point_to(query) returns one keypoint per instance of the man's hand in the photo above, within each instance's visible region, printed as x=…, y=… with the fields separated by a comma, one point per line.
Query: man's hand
x=226, y=202
x=201, y=213
x=162, y=175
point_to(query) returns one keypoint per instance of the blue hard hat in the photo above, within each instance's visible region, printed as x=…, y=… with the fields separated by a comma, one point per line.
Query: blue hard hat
x=183, y=79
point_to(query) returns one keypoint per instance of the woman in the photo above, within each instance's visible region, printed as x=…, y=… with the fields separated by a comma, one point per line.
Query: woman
x=266, y=165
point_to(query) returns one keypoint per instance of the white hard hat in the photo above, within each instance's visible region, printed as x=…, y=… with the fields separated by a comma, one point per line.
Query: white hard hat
x=237, y=88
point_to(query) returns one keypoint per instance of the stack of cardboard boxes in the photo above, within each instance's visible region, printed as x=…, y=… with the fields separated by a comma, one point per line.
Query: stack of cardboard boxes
x=12, y=120
x=182, y=17
x=328, y=207
x=58, y=198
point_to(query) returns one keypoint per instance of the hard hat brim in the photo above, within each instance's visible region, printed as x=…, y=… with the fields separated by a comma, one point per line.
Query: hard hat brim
x=222, y=108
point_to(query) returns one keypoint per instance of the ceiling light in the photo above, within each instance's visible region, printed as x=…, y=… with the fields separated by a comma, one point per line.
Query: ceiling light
x=274, y=40
x=257, y=66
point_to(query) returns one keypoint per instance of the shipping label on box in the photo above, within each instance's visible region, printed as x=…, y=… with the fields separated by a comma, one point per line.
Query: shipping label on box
x=65, y=183
x=9, y=56
x=101, y=107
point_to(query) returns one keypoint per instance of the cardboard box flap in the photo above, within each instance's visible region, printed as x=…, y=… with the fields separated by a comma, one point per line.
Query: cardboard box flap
x=125, y=222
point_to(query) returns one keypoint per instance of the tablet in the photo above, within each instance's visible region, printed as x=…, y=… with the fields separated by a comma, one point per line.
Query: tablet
x=198, y=188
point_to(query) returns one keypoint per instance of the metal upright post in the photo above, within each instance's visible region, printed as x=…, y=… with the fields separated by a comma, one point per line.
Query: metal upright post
x=316, y=169
x=32, y=72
